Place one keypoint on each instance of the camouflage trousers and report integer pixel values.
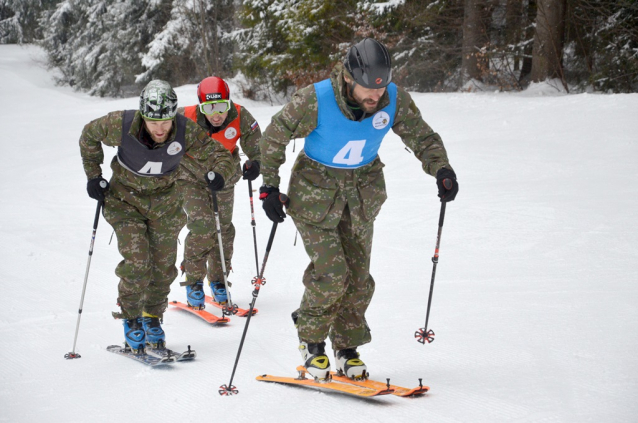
(201, 244)
(338, 284)
(147, 226)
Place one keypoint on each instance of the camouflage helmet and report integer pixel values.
(158, 101)
(369, 63)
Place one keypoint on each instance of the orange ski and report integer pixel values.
(332, 386)
(241, 312)
(373, 384)
(209, 317)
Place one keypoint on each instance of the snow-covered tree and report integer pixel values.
(19, 20)
(195, 42)
(290, 44)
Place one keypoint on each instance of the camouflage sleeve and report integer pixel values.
(296, 119)
(418, 136)
(204, 154)
(105, 130)
(250, 135)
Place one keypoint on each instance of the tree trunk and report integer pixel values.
(514, 28)
(530, 16)
(202, 25)
(475, 37)
(548, 40)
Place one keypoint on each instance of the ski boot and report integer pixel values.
(155, 336)
(134, 335)
(315, 360)
(349, 364)
(195, 295)
(219, 292)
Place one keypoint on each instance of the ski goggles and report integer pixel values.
(213, 107)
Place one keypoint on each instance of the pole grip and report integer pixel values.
(100, 204)
(215, 205)
(271, 237)
(442, 214)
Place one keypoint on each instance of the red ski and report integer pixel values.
(241, 312)
(203, 314)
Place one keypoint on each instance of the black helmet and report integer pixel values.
(368, 62)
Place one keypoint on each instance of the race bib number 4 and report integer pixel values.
(351, 153)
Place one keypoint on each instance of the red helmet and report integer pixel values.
(212, 88)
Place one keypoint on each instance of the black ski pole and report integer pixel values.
(73, 354)
(423, 334)
(229, 307)
(252, 217)
(258, 281)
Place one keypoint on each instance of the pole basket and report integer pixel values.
(226, 390)
(72, 355)
(257, 281)
(230, 309)
(421, 336)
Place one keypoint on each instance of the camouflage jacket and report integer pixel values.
(319, 193)
(249, 140)
(202, 155)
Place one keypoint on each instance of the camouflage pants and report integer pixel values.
(201, 244)
(338, 284)
(147, 226)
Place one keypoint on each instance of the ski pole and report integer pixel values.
(423, 334)
(252, 217)
(258, 281)
(100, 204)
(229, 307)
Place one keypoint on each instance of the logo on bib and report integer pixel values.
(380, 120)
(230, 133)
(174, 148)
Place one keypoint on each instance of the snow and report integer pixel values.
(535, 300)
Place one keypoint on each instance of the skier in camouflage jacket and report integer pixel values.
(141, 200)
(336, 190)
(231, 124)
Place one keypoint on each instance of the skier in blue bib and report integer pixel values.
(336, 190)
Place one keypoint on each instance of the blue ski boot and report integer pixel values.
(155, 335)
(195, 295)
(134, 334)
(219, 292)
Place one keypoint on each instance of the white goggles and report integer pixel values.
(213, 107)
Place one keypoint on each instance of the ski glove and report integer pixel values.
(96, 188)
(251, 170)
(274, 203)
(215, 181)
(448, 187)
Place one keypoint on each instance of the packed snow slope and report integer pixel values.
(535, 300)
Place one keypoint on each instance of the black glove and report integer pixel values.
(274, 203)
(215, 181)
(96, 188)
(251, 170)
(448, 187)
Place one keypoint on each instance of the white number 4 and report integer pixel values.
(350, 154)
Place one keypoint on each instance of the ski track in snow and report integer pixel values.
(535, 301)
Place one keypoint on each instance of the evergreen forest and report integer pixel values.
(273, 47)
